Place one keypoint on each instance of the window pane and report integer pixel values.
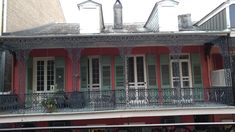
(140, 69)
(40, 75)
(130, 69)
(185, 71)
(50, 74)
(95, 71)
(175, 69)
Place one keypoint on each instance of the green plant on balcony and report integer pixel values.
(49, 105)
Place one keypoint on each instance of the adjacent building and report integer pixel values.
(133, 77)
(16, 15)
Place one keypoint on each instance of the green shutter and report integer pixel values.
(165, 71)
(84, 73)
(165, 77)
(106, 72)
(197, 76)
(60, 70)
(29, 75)
(119, 73)
(151, 64)
(120, 93)
(152, 83)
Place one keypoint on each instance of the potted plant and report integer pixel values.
(49, 105)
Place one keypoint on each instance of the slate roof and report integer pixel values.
(73, 29)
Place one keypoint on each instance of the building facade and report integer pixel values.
(130, 78)
(25, 14)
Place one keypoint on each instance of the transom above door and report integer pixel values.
(43, 74)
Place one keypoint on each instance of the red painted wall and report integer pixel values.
(112, 52)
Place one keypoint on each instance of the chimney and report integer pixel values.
(117, 9)
(91, 17)
(185, 22)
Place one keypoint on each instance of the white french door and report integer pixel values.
(181, 76)
(43, 75)
(94, 74)
(136, 77)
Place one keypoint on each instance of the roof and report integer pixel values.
(88, 1)
(49, 29)
(168, 0)
(73, 29)
(215, 11)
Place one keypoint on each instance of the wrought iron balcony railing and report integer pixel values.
(115, 100)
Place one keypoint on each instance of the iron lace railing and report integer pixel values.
(115, 100)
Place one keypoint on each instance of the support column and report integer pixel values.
(22, 58)
(224, 48)
(2, 70)
(75, 55)
(175, 52)
(228, 91)
(125, 52)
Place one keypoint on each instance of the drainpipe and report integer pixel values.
(2, 17)
(2, 70)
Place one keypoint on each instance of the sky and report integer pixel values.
(139, 10)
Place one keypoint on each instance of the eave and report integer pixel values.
(111, 40)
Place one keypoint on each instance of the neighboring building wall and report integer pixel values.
(25, 14)
(232, 15)
(1, 14)
(217, 22)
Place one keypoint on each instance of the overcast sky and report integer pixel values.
(139, 10)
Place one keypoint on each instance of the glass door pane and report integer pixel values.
(131, 78)
(40, 76)
(140, 69)
(50, 75)
(176, 74)
(130, 66)
(44, 75)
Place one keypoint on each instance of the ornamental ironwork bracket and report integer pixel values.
(74, 55)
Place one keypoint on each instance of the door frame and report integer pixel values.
(35, 59)
(180, 67)
(181, 77)
(90, 73)
(135, 75)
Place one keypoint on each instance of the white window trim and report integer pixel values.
(90, 74)
(181, 60)
(35, 59)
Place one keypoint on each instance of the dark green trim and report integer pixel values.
(83, 73)
(30, 75)
(165, 71)
(60, 73)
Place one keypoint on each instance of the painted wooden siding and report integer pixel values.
(216, 23)
(232, 15)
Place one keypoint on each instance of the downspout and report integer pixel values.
(2, 17)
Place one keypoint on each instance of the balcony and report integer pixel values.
(115, 100)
